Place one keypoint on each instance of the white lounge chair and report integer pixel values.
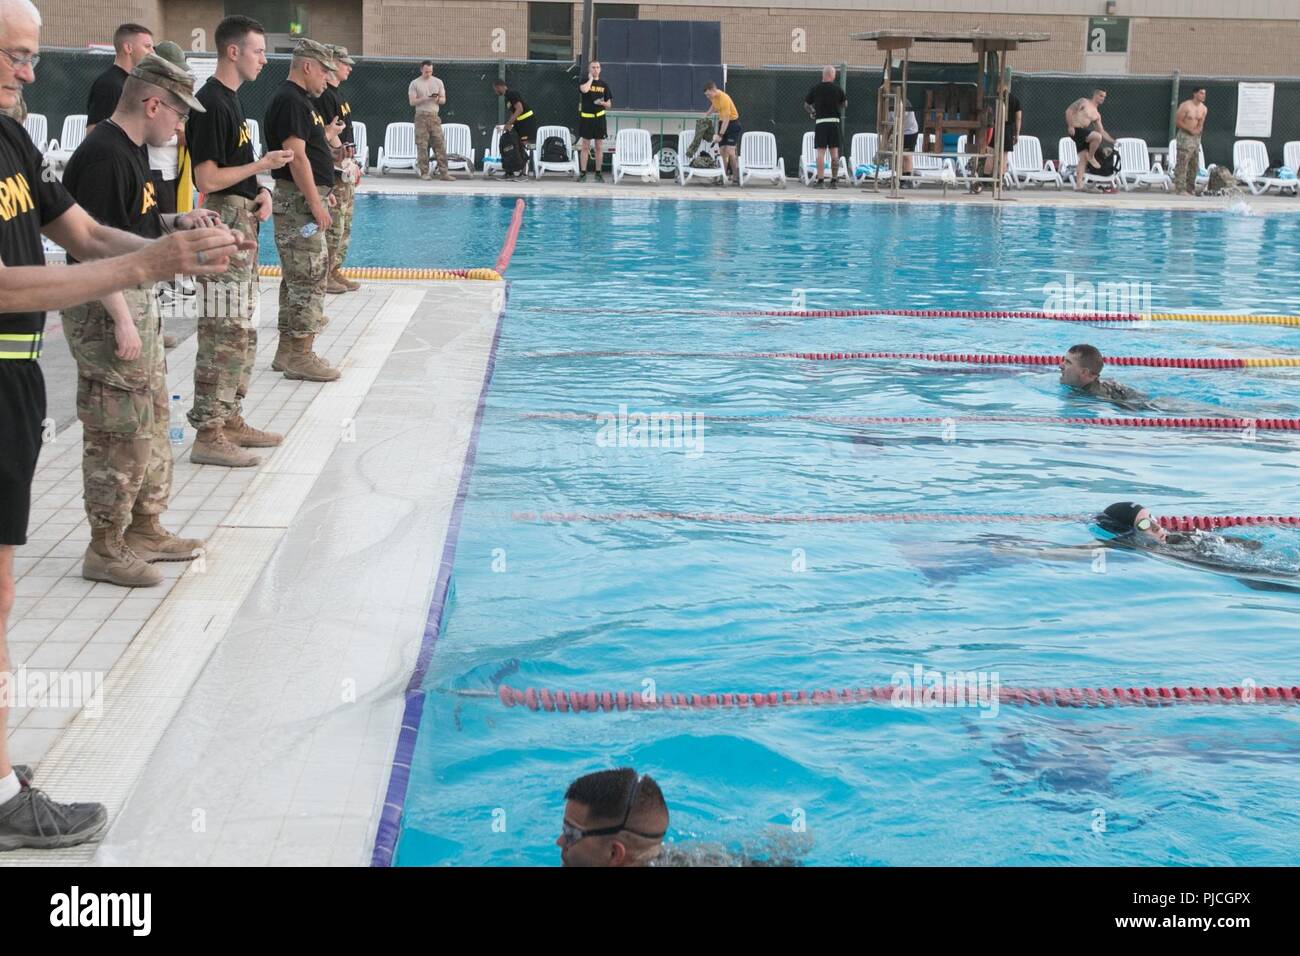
(492, 158)
(862, 153)
(1135, 165)
(685, 171)
(255, 136)
(759, 159)
(1068, 159)
(1291, 156)
(38, 128)
(59, 151)
(362, 143)
(808, 161)
(1027, 164)
(458, 141)
(634, 155)
(398, 151)
(1202, 172)
(569, 166)
(1249, 165)
(927, 167)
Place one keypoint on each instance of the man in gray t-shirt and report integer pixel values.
(426, 94)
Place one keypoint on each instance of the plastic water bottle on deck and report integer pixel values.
(176, 430)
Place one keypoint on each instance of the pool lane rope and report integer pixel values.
(609, 701)
(1168, 522)
(1217, 424)
(512, 236)
(386, 273)
(1149, 361)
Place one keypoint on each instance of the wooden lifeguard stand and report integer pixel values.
(991, 49)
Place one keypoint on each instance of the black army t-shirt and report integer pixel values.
(104, 94)
(291, 114)
(109, 177)
(826, 99)
(600, 90)
(333, 102)
(28, 201)
(221, 135)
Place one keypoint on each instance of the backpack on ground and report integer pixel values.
(554, 151)
(512, 156)
(1109, 160)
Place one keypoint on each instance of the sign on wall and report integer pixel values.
(1255, 110)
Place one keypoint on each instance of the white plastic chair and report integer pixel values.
(569, 166)
(932, 168)
(1202, 172)
(634, 155)
(38, 129)
(685, 171)
(255, 136)
(759, 159)
(1135, 165)
(862, 152)
(458, 141)
(1068, 158)
(362, 144)
(492, 158)
(398, 151)
(59, 151)
(808, 161)
(1291, 156)
(1250, 163)
(1027, 164)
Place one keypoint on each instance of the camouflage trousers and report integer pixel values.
(126, 457)
(304, 262)
(227, 329)
(340, 232)
(1189, 162)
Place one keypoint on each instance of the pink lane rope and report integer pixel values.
(1169, 522)
(543, 699)
(1223, 424)
(512, 236)
(1150, 361)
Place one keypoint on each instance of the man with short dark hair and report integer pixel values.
(1081, 370)
(519, 118)
(225, 171)
(333, 107)
(427, 95)
(302, 204)
(824, 103)
(1190, 120)
(1083, 123)
(613, 818)
(594, 98)
(131, 44)
(727, 136)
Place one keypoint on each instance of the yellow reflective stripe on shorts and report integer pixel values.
(523, 116)
(829, 119)
(591, 115)
(32, 339)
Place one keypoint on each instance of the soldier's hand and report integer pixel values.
(128, 341)
(332, 200)
(323, 217)
(204, 251)
(198, 218)
(262, 205)
(276, 158)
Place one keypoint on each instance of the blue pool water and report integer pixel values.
(699, 608)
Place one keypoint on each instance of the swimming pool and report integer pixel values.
(681, 606)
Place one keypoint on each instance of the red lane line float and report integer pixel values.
(1169, 522)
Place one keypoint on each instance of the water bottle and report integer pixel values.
(309, 230)
(177, 430)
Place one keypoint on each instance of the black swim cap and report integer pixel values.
(1120, 517)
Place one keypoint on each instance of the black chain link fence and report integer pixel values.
(769, 99)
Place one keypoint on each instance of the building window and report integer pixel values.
(550, 31)
(277, 16)
(610, 11)
(1107, 35)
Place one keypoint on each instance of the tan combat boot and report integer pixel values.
(152, 542)
(239, 432)
(283, 353)
(213, 447)
(334, 284)
(352, 285)
(109, 559)
(304, 365)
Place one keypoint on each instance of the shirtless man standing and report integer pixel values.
(1083, 122)
(1191, 123)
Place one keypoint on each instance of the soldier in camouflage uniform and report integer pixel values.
(1081, 370)
(302, 208)
(334, 103)
(225, 170)
(122, 397)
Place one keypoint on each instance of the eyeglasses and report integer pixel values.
(18, 60)
(571, 834)
(161, 102)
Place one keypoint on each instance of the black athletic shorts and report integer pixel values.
(526, 129)
(731, 135)
(22, 414)
(827, 136)
(1080, 138)
(909, 141)
(592, 128)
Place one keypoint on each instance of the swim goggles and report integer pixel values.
(571, 834)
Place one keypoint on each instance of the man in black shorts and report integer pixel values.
(520, 118)
(1083, 121)
(824, 103)
(38, 204)
(131, 44)
(597, 97)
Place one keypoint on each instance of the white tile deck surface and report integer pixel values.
(222, 701)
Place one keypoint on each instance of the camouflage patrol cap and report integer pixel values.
(315, 51)
(340, 54)
(172, 53)
(156, 71)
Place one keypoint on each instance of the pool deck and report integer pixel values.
(252, 702)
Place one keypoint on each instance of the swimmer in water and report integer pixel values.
(1081, 370)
